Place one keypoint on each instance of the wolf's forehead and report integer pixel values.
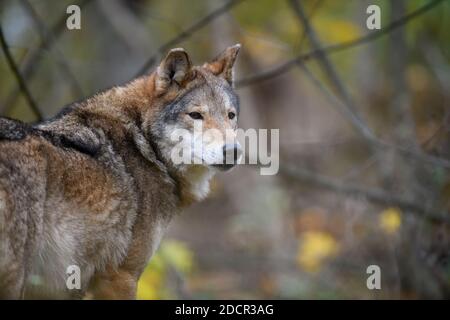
(229, 98)
(224, 96)
(213, 96)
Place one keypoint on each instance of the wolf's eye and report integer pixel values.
(195, 115)
(231, 115)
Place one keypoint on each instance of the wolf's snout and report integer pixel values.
(232, 153)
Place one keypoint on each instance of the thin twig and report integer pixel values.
(441, 71)
(416, 154)
(373, 194)
(31, 64)
(186, 34)
(20, 80)
(45, 33)
(283, 68)
(424, 157)
(316, 5)
(349, 107)
(345, 104)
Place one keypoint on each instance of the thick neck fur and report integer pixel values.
(193, 183)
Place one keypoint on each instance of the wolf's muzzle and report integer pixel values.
(231, 155)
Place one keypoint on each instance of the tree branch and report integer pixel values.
(32, 61)
(424, 157)
(186, 34)
(346, 105)
(283, 68)
(373, 194)
(45, 33)
(20, 80)
(348, 108)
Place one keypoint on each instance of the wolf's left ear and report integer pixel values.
(174, 68)
(222, 66)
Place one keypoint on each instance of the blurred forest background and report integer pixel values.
(364, 121)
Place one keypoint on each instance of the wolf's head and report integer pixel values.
(194, 128)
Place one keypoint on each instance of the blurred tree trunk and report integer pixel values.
(401, 175)
(395, 176)
(404, 129)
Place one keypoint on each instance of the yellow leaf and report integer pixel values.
(151, 283)
(315, 248)
(390, 220)
(333, 30)
(147, 291)
(172, 253)
(178, 255)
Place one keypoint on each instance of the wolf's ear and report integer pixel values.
(222, 66)
(174, 68)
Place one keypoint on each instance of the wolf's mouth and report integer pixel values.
(224, 167)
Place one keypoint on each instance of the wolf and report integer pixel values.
(96, 186)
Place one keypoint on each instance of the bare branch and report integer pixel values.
(32, 61)
(316, 5)
(373, 194)
(124, 23)
(348, 108)
(20, 80)
(186, 34)
(416, 154)
(285, 67)
(424, 157)
(45, 33)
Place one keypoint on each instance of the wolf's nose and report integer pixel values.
(231, 153)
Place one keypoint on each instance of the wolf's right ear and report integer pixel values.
(174, 69)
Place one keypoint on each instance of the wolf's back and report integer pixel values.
(13, 130)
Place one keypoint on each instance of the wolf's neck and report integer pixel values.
(193, 181)
(194, 184)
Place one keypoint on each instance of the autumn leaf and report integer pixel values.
(171, 254)
(314, 249)
(178, 255)
(334, 30)
(151, 283)
(390, 220)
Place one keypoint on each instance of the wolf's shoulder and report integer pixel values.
(79, 139)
